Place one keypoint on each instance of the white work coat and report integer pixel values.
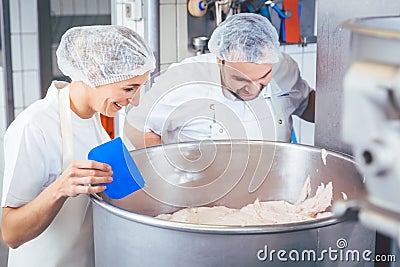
(187, 103)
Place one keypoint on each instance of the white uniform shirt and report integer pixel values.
(33, 160)
(186, 103)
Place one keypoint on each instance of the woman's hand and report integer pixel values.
(24, 223)
(83, 177)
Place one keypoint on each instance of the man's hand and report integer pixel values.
(141, 139)
(309, 113)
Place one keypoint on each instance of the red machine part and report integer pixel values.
(108, 124)
(292, 24)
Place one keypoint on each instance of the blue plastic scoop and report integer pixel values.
(126, 175)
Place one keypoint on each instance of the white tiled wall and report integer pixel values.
(18, 89)
(25, 52)
(25, 69)
(182, 29)
(28, 16)
(80, 7)
(30, 77)
(15, 24)
(76, 8)
(168, 33)
(25, 61)
(173, 32)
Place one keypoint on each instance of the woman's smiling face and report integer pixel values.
(110, 98)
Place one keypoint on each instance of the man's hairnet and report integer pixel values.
(245, 37)
(99, 55)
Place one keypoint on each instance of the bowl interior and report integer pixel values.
(234, 174)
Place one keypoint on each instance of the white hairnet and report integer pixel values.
(245, 37)
(99, 55)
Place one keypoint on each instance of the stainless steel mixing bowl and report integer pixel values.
(234, 174)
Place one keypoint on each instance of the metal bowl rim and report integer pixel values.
(249, 142)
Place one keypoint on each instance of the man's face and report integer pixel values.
(244, 79)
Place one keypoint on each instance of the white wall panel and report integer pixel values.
(67, 7)
(16, 51)
(31, 87)
(55, 7)
(79, 7)
(18, 90)
(30, 51)
(28, 11)
(15, 24)
(181, 34)
(104, 7)
(92, 7)
(168, 34)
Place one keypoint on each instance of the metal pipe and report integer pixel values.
(7, 60)
(152, 29)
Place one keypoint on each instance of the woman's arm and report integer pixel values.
(24, 223)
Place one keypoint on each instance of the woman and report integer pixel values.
(46, 215)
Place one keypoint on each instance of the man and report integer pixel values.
(244, 89)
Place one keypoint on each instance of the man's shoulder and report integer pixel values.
(285, 60)
(199, 70)
(207, 58)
